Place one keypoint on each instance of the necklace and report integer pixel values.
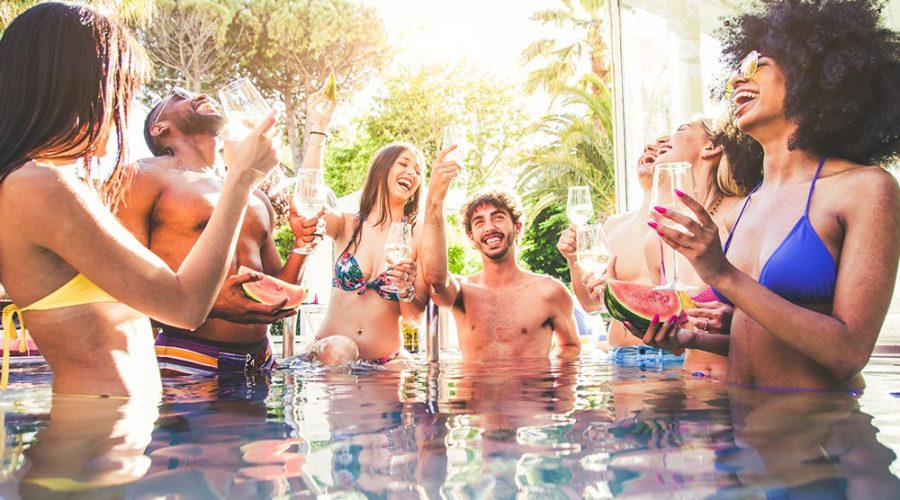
(715, 206)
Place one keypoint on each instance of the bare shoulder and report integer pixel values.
(615, 221)
(38, 184)
(874, 187)
(550, 287)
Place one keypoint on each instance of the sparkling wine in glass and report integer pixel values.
(667, 177)
(310, 195)
(579, 208)
(397, 247)
(592, 251)
(244, 108)
(458, 190)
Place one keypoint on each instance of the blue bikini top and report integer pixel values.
(801, 269)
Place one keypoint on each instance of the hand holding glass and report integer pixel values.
(456, 194)
(579, 208)
(396, 248)
(310, 195)
(667, 177)
(592, 251)
(244, 108)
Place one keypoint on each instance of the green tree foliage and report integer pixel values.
(580, 149)
(579, 155)
(416, 105)
(559, 60)
(289, 47)
(189, 44)
(539, 243)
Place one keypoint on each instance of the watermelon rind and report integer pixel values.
(620, 310)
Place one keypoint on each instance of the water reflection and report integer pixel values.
(88, 444)
(519, 430)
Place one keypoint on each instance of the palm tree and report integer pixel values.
(580, 154)
(560, 58)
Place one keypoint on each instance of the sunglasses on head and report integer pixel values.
(746, 69)
(184, 94)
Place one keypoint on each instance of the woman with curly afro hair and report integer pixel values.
(811, 261)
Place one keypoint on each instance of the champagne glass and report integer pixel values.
(458, 190)
(579, 208)
(592, 251)
(244, 108)
(310, 195)
(667, 177)
(397, 247)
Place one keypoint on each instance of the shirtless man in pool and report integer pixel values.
(502, 312)
(167, 207)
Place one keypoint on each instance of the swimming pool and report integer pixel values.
(515, 430)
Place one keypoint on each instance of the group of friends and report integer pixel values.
(790, 183)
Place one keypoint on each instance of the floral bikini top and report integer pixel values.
(348, 276)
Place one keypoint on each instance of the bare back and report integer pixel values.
(100, 348)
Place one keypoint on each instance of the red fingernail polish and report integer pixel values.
(679, 194)
(671, 319)
(659, 233)
(627, 324)
(659, 209)
(652, 224)
(655, 319)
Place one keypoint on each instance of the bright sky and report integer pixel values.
(488, 32)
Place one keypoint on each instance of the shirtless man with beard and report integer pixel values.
(502, 312)
(167, 207)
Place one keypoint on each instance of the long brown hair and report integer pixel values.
(375, 188)
(68, 77)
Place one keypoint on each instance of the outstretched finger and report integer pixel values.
(674, 238)
(443, 154)
(265, 124)
(702, 215)
(689, 224)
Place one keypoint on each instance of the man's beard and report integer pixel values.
(199, 124)
(508, 239)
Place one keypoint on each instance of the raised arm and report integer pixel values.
(319, 109)
(92, 241)
(435, 271)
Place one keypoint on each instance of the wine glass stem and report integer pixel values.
(674, 266)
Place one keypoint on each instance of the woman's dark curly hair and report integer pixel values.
(842, 72)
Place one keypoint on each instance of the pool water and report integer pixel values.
(514, 430)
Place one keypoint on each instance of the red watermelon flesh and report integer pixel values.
(638, 303)
(271, 291)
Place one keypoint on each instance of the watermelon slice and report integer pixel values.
(271, 290)
(637, 303)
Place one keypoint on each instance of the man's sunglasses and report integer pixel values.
(184, 94)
